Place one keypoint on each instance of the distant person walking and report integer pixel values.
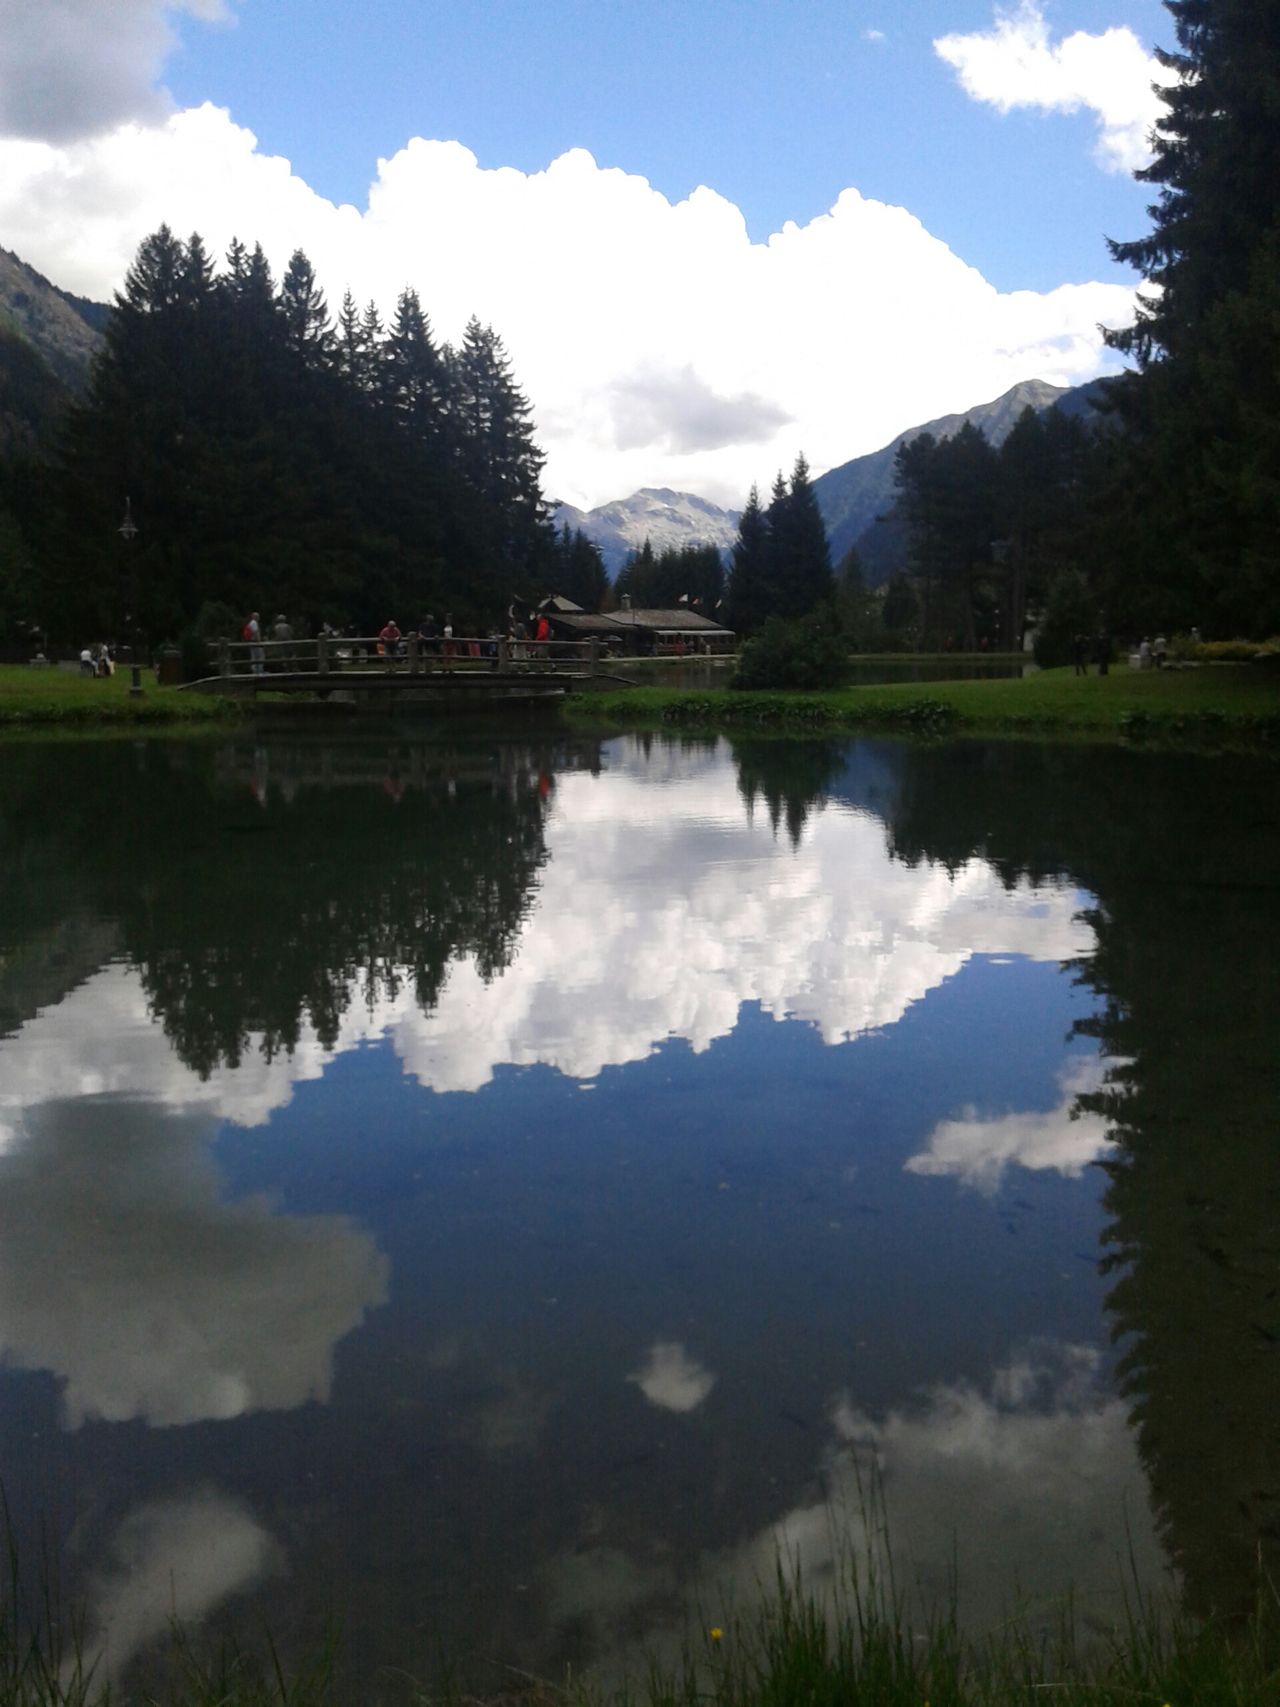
(1160, 647)
(1103, 644)
(252, 632)
(1080, 654)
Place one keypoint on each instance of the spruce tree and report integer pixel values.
(749, 593)
(1197, 514)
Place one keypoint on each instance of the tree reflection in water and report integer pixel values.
(348, 870)
(1181, 853)
(352, 869)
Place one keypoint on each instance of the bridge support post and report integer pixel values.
(224, 658)
(322, 654)
(593, 656)
(504, 653)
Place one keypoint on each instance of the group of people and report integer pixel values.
(1087, 649)
(96, 661)
(434, 640)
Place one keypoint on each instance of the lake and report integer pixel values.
(497, 1192)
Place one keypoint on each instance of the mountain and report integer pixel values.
(655, 513)
(47, 342)
(854, 495)
(64, 331)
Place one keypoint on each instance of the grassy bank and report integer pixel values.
(61, 699)
(1233, 703)
(788, 1652)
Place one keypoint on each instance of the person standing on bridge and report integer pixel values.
(253, 634)
(389, 640)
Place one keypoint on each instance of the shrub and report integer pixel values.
(1236, 651)
(800, 654)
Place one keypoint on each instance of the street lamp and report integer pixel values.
(128, 530)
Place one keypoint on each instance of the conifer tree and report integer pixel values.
(1195, 534)
(749, 595)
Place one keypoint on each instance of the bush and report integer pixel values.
(800, 654)
(1236, 651)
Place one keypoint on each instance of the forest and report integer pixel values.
(273, 455)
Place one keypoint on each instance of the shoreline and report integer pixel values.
(1211, 705)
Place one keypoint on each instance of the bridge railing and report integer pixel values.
(328, 655)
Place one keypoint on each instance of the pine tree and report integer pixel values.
(1217, 162)
(803, 557)
(749, 596)
(1197, 516)
(304, 312)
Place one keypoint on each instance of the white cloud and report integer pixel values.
(977, 1151)
(73, 68)
(171, 1561)
(1014, 64)
(671, 1379)
(127, 1273)
(874, 35)
(1030, 1483)
(659, 345)
(615, 956)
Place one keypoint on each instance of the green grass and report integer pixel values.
(62, 699)
(851, 1648)
(1233, 703)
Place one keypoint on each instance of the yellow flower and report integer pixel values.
(717, 1634)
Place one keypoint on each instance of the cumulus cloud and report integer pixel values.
(617, 955)
(708, 365)
(1015, 64)
(74, 68)
(170, 1561)
(671, 1379)
(971, 1477)
(680, 412)
(127, 1273)
(977, 1151)
(873, 35)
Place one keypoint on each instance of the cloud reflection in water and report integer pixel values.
(126, 1272)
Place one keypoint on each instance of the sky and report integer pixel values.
(713, 234)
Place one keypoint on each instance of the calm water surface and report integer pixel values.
(498, 1192)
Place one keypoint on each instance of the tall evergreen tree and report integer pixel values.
(801, 553)
(750, 584)
(1198, 514)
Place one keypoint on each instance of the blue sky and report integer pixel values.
(777, 104)
(712, 233)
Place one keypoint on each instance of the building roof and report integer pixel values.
(679, 617)
(681, 620)
(583, 622)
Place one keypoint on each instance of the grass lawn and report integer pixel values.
(52, 698)
(1238, 702)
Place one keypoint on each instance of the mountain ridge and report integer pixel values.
(854, 495)
(664, 517)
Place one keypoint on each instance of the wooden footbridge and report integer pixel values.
(364, 670)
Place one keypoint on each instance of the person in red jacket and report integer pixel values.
(389, 642)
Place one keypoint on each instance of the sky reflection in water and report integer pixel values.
(583, 1288)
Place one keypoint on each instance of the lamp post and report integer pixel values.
(128, 530)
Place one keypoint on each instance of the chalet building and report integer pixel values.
(641, 633)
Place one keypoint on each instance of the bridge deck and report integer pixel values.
(476, 682)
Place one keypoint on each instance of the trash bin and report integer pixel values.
(169, 669)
